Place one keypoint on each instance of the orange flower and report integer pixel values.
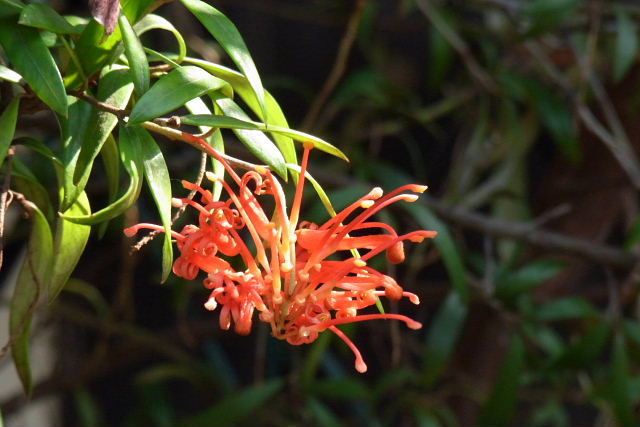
(287, 275)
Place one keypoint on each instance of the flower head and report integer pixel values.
(289, 273)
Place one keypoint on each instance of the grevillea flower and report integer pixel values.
(288, 273)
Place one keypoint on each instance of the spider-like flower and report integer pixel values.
(287, 275)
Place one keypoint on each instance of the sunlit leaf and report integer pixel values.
(241, 85)
(256, 141)
(41, 16)
(235, 123)
(227, 35)
(9, 75)
(138, 64)
(130, 143)
(174, 90)
(152, 21)
(30, 57)
(135, 9)
(157, 177)
(93, 50)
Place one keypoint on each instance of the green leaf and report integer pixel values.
(152, 22)
(70, 241)
(135, 9)
(29, 185)
(626, 48)
(157, 177)
(130, 143)
(240, 84)
(235, 123)
(565, 308)
(31, 58)
(72, 132)
(94, 50)
(586, 348)
(620, 385)
(256, 141)
(235, 407)
(501, 404)
(174, 90)
(134, 52)
(31, 282)
(445, 244)
(111, 160)
(545, 15)
(227, 35)
(41, 16)
(513, 283)
(322, 414)
(9, 75)
(10, 8)
(8, 120)
(115, 89)
(443, 336)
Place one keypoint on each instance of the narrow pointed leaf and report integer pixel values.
(236, 406)
(9, 75)
(240, 84)
(8, 120)
(115, 88)
(442, 336)
(157, 177)
(135, 9)
(94, 50)
(10, 8)
(152, 22)
(30, 57)
(229, 38)
(134, 52)
(626, 48)
(256, 141)
(501, 404)
(30, 283)
(70, 241)
(235, 123)
(41, 16)
(173, 91)
(130, 154)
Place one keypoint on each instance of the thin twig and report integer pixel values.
(533, 235)
(118, 112)
(458, 44)
(339, 66)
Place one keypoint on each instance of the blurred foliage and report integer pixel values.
(519, 114)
